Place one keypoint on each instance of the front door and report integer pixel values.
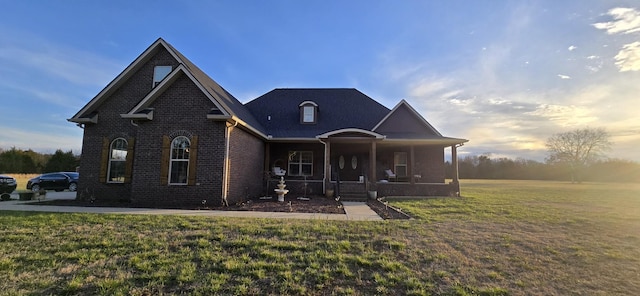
(350, 167)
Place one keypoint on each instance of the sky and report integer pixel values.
(506, 75)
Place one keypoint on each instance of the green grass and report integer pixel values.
(501, 238)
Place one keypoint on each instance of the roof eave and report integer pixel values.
(143, 116)
(439, 141)
(84, 120)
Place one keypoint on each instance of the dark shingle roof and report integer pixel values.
(278, 111)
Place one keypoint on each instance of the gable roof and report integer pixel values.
(278, 111)
(141, 107)
(276, 114)
(405, 111)
(227, 104)
(405, 123)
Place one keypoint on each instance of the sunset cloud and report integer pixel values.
(625, 21)
(628, 58)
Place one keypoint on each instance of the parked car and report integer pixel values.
(54, 181)
(7, 184)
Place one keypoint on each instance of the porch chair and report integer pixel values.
(390, 174)
(278, 171)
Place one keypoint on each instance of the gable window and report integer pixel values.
(308, 112)
(117, 160)
(179, 163)
(400, 164)
(300, 163)
(159, 73)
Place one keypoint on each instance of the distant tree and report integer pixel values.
(577, 149)
(16, 161)
(39, 159)
(613, 170)
(61, 162)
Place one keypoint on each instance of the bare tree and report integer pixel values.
(578, 148)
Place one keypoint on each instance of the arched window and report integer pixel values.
(117, 160)
(179, 163)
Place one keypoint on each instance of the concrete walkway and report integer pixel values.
(355, 211)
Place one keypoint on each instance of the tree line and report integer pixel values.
(484, 167)
(30, 162)
(576, 156)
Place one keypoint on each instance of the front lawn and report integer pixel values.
(501, 238)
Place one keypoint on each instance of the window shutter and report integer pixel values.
(164, 160)
(104, 161)
(128, 170)
(193, 154)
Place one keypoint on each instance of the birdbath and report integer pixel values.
(280, 191)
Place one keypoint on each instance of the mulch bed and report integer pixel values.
(315, 204)
(385, 211)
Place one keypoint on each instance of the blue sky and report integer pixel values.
(504, 74)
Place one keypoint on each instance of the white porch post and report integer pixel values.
(372, 167)
(327, 165)
(412, 163)
(454, 162)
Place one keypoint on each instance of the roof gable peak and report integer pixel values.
(145, 56)
(405, 104)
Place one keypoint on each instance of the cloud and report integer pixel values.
(70, 139)
(428, 87)
(507, 108)
(625, 21)
(21, 51)
(565, 115)
(628, 58)
(74, 66)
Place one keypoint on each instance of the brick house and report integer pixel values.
(163, 132)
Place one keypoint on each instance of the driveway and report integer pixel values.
(53, 195)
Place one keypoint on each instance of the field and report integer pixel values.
(22, 179)
(500, 238)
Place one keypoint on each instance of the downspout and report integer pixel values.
(225, 178)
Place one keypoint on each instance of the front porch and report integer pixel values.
(353, 163)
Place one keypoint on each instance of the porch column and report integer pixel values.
(412, 162)
(372, 164)
(454, 163)
(267, 157)
(327, 165)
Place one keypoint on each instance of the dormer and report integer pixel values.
(308, 112)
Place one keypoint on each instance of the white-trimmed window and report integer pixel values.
(400, 164)
(308, 112)
(159, 73)
(300, 163)
(179, 163)
(117, 160)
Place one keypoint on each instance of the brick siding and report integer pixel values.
(246, 162)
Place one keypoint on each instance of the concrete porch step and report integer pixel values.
(353, 196)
